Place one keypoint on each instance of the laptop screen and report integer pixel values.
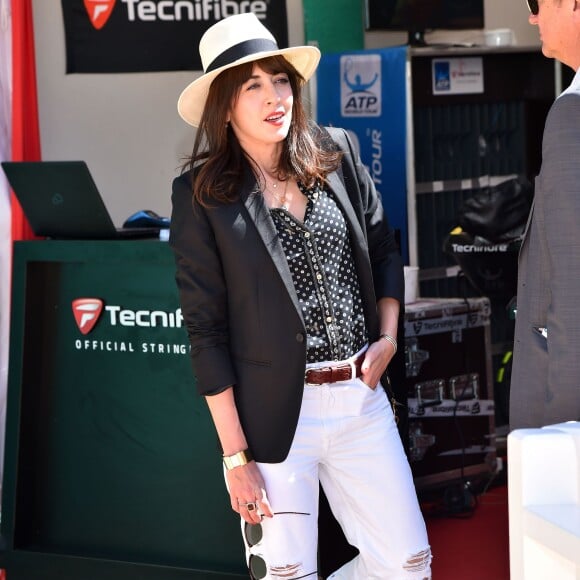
(60, 200)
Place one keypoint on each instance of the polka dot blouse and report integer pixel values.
(320, 258)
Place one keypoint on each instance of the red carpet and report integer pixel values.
(474, 547)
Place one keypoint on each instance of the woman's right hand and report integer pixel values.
(248, 493)
(245, 482)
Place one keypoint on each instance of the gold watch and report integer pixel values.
(237, 459)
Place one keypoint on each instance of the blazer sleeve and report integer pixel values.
(202, 290)
(384, 253)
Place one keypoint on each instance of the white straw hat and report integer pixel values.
(232, 41)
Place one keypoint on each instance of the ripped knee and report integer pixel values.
(258, 570)
(420, 562)
(287, 571)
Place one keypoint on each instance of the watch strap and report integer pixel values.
(237, 459)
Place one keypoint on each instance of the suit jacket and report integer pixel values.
(545, 383)
(239, 303)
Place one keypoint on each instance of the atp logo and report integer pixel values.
(99, 11)
(87, 312)
(360, 87)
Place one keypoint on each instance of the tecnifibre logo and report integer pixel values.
(87, 312)
(99, 11)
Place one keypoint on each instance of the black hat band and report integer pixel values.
(238, 51)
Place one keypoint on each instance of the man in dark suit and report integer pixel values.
(545, 385)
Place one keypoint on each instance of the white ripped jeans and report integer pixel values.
(348, 440)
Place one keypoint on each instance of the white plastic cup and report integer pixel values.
(411, 284)
(499, 37)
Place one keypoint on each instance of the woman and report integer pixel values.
(290, 284)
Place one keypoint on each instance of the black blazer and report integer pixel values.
(239, 303)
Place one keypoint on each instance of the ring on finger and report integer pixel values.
(250, 506)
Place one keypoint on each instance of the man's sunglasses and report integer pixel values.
(533, 6)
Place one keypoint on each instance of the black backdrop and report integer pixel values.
(151, 35)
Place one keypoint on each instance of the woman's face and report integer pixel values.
(262, 113)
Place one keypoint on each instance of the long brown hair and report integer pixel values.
(218, 161)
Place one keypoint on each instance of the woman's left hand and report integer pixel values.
(377, 358)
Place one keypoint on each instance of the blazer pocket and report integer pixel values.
(253, 362)
(541, 331)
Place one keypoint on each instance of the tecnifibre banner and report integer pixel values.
(111, 36)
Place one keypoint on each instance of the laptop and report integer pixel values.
(61, 201)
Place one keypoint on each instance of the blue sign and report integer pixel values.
(365, 93)
(442, 72)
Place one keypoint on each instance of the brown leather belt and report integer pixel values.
(334, 373)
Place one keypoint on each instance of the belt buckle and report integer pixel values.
(318, 369)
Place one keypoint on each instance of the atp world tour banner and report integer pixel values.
(104, 36)
(365, 93)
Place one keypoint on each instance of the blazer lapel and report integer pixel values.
(524, 236)
(359, 248)
(260, 215)
(343, 200)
